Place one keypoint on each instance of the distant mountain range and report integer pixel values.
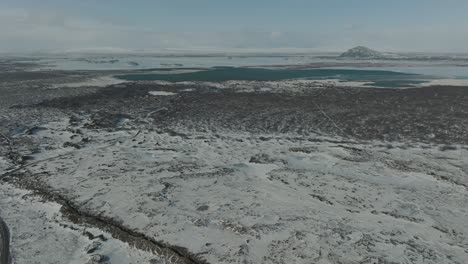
(365, 53)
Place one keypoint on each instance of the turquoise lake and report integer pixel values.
(376, 77)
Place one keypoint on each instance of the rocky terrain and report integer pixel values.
(361, 52)
(233, 172)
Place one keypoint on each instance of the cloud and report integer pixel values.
(275, 34)
(38, 30)
(24, 29)
(31, 30)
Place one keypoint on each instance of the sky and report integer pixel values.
(224, 25)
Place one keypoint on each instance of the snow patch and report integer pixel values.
(445, 82)
(161, 93)
(96, 82)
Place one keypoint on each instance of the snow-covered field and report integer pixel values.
(247, 198)
(289, 171)
(446, 82)
(40, 234)
(286, 86)
(101, 81)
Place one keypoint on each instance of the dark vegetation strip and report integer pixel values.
(4, 243)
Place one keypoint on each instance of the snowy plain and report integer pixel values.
(225, 196)
(234, 197)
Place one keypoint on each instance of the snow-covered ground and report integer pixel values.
(101, 81)
(161, 93)
(288, 86)
(134, 62)
(445, 82)
(40, 234)
(248, 198)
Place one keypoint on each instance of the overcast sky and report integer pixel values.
(332, 25)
